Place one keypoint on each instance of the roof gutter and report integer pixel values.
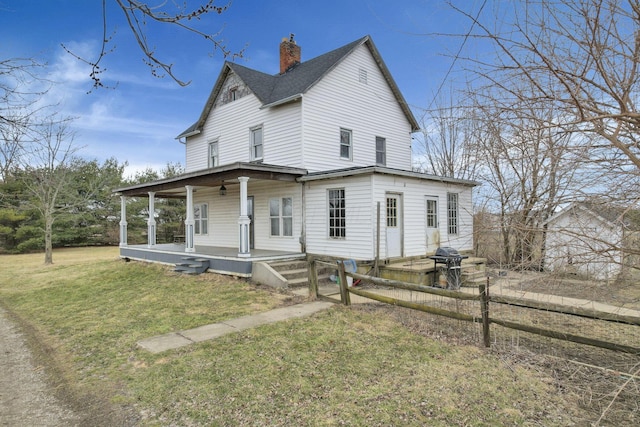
(188, 134)
(283, 101)
(341, 173)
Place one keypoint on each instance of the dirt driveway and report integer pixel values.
(25, 397)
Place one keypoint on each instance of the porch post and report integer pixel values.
(189, 223)
(123, 221)
(151, 222)
(243, 220)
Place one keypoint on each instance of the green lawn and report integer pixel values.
(344, 366)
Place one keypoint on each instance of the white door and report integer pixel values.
(432, 237)
(394, 225)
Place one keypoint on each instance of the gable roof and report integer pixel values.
(278, 89)
(606, 212)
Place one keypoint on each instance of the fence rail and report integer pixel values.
(484, 300)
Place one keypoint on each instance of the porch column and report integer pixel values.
(151, 222)
(123, 221)
(189, 223)
(243, 220)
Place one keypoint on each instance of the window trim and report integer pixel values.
(453, 214)
(341, 228)
(350, 145)
(200, 221)
(253, 145)
(234, 93)
(281, 217)
(383, 152)
(210, 160)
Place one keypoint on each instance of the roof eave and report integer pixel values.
(392, 84)
(342, 173)
(188, 134)
(282, 101)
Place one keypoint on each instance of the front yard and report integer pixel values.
(347, 366)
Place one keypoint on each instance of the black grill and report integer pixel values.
(447, 252)
(452, 259)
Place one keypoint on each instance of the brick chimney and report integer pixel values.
(289, 54)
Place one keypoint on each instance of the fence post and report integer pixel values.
(344, 291)
(484, 306)
(313, 277)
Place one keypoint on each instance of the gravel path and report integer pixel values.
(25, 397)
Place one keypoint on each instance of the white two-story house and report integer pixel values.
(313, 160)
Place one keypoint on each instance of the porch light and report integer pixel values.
(223, 190)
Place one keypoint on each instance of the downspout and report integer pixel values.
(303, 231)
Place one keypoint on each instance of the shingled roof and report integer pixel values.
(278, 89)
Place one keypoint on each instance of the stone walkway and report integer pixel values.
(331, 292)
(208, 332)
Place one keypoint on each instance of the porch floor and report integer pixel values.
(219, 251)
(223, 260)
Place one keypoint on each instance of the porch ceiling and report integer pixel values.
(212, 177)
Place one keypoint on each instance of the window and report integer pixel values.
(201, 218)
(213, 154)
(337, 214)
(381, 151)
(432, 213)
(452, 213)
(256, 143)
(392, 211)
(281, 216)
(345, 144)
(233, 93)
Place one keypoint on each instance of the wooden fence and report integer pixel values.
(484, 302)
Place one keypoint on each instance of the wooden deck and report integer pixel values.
(423, 270)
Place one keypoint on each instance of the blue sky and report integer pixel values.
(138, 119)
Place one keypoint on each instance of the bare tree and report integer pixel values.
(140, 15)
(529, 168)
(445, 148)
(581, 59)
(20, 89)
(47, 165)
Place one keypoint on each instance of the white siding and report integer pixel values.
(359, 218)
(340, 100)
(230, 124)
(414, 193)
(570, 248)
(362, 194)
(224, 212)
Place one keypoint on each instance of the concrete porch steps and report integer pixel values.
(192, 265)
(296, 273)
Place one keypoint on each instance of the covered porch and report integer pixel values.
(221, 260)
(217, 200)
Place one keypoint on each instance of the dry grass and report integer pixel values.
(364, 365)
(622, 293)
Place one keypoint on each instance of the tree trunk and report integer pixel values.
(48, 246)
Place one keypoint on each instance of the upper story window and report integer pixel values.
(337, 214)
(381, 151)
(233, 94)
(452, 213)
(214, 159)
(281, 216)
(345, 144)
(256, 143)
